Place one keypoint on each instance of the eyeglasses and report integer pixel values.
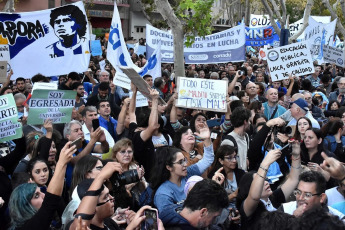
(100, 204)
(123, 152)
(232, 158)
(181, 162)
(307, 195)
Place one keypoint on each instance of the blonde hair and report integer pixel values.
(123, 143)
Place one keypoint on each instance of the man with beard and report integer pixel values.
(310, 193)
(105, 120)
(79, 100)
(20, 83)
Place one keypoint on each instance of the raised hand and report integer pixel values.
(218, 176)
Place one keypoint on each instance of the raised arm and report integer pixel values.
(133, 104)
(46, 144)
(153, 120)
(208, 156)
(253, 199)
(292, 82)
(233, 83)
(292, 181)
(122, 117)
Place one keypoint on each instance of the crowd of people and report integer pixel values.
(275, 160)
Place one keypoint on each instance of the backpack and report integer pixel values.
(232, 139)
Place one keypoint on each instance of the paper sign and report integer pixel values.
(45, 85)
(10, 128)
(3, 71)
(96, 49)
(102, 65)
(205, 94)
(141, 100)
(122, 80)
(55, 105)
(140, 83)
(292, 59)
(333, 55)
(4, 53)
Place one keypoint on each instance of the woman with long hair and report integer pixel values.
(171, 172)
(303, 123)
(226, 158)
(334, 140)
(30, 208)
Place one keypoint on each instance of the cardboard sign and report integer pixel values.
(45, 85)
(205, 94)
(292, 59)
(333, 55)
(4, 53)
(10, 128)
(96, 48)
(140, 83)
(122, 80)
(55, 105)
(141, 100)
(3, 71)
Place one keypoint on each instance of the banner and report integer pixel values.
(4, 53)
(10, 128)
(205, 94)
(259, 20)
(291, 59)
(262, 36)
(51, 42)
(55, 105)
(297, 26)
(319, 34)
(141, 100)
(333, 55)
(225, 46)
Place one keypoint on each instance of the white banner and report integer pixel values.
(333, 55)
(51, 42)
(297, 26)
(205, 94)
(141, 100)
(291, 59)
(222, 47)
(259, 20)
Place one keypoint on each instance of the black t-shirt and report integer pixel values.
(277, 198)
(108, 224)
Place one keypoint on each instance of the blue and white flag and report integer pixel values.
(50, 42)
(153, 65)
(117, 52)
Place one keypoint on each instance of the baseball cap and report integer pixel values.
(302, 104)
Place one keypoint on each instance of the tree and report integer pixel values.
(186, 18)
(334, 15)
(279, 13)
(9, 6)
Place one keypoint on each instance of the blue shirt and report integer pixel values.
(106, 124)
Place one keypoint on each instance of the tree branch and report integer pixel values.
(143, 9)
(167, 12)
(283, 6)
(226, 7)
(334, 16)
(342, 5)
(307, 12)
(270, 13)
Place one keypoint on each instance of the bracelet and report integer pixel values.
(260, 176)
(299, 157)
(299, 167)
(85, 216)
(94, 193)
(266, 170)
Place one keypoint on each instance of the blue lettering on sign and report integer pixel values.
(117, 44)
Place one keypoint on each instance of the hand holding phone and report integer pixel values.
(151, 220)
(95, 124)
(76, 142)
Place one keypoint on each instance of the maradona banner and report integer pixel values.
(56, 105)
(50, 42)
(225, 46)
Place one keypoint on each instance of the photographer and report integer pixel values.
(264, 140)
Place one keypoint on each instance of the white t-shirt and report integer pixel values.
(159, 141)
(334, 196)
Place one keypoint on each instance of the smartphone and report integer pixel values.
(151, 220)
(213, 122)
(95, 124)
(76, 142)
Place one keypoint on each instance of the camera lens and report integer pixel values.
(127, 177)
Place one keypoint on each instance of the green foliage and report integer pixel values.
(197, 18)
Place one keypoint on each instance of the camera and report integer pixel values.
(127, 177)
(283, 129)
(240, 72)
(237, 88)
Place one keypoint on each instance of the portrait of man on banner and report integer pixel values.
(70, 26)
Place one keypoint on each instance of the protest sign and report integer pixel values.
(140, 83)
(292, 59)
(40, 42)
(10, 128)
(3, 71)
(102, 65)
(122, 80)
(297, 26)
(261, 36)
(141, 100)
(44, 85)
(205, 94)
(55, 105)
(96, 49)
(333, 55)
(4, 53)
(225, 46)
